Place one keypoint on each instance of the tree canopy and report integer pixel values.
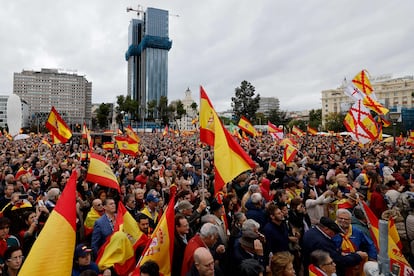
(245, 103)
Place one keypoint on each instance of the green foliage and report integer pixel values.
(277, 117)
(298, 123)
(151, 107)
(102, 115)
(335, 122)
(244, 103)
(315, 118)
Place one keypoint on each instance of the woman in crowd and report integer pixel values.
(281, 264)
(13, 261)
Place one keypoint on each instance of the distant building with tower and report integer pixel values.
(186, 121)
(68, 92)
(147, 57)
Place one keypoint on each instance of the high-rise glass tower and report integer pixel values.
(147, 56)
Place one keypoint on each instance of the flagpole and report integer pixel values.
(202, 174)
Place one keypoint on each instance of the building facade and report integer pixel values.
(393, 93)
(147, 57)
(186, 121)
(268, 104)
(69, 93)
(3, 112)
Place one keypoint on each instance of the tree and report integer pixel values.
(102, 115)
(163, 110)
(335, 122)
(151, 107)
(315, 118)
(298, 123)
(244, 103)
(278, 117)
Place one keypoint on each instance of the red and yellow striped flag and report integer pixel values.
(289, 153)
(230, 159)
(59, 235)
(410, 139)
(245, 125)
(127, 145)
(297, 131)
(108, 145)
(206, 119)
(100, 172)
(160, 247)
(58, 126)
(132, 134)
(312, 131)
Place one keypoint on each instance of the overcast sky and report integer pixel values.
(291, 49)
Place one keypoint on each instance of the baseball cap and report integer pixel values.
(152, 198)
(82, 250)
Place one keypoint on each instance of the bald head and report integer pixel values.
(204, 261)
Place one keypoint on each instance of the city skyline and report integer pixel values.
(289, 50)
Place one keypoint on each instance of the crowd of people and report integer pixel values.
(277, 219)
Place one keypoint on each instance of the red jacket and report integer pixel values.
(194, 243)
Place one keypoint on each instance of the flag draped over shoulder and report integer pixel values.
(245, 125)
(206, 119)
(361, 124)
(100, 172)
(58, 126)
(119, 249)
(289, 153)
(160, 247)
(126, 145)
(59, 235)
(230, 159)
(397, 259)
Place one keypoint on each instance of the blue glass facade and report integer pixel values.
(147, 56)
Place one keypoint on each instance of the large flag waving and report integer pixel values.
(397, 259)
(100, 172)
(359, 121)
(230, 159)
(126, 145)
(206, 119)
(245, 125)
(59, 234)
(132, 134)
(58, 126)
(289, 153)
(160, 248)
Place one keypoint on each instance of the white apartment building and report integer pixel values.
(69, 93)
(391, 92)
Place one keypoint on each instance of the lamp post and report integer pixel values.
(394, 117)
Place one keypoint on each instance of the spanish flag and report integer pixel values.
(86, 134)
(289, 153)
(108, 145)
(100, 172)
(410, 140)
(312, 131)
(59, 235)
(230, 159)
(397, 259)
(160, 247)
(245, 125)
(297, 131)
(131, 134)
(58, 126)
(206, 119)
(46, 142)
(315, 271)
(127, 145)
(119, 249)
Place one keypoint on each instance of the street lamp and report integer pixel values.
(394, 117)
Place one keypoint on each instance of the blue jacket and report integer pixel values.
(256, 213)
(315, 239)
(360, 241)
(101, 230)
(277, 238)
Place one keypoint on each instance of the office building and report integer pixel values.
(267, 104)
(69, 93)
(147, 57)
(393, 93)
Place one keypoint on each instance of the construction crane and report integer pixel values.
(140, 11)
